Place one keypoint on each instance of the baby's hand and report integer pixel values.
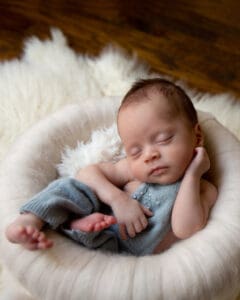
(200, 163)
(131, 216)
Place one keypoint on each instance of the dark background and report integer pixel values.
(197, 41)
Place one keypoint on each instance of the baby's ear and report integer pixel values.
(199, 135)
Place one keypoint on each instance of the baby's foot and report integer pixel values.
(28, 235)
(94, 222)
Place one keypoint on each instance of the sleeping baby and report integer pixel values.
(144, 202)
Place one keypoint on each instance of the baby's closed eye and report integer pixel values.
(163, 138)
(134, 151)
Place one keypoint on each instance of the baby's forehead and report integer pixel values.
(159, 103)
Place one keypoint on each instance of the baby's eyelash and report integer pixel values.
(164, 140)
(134, 152)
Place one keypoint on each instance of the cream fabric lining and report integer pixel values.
(202, 267)
(50, 75)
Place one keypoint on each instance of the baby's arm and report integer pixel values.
(106, 179)
(195, 198)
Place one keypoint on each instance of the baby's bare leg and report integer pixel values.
(94, 222)
(26, 230)
(166, 243)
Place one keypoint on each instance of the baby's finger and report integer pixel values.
(131, 230)
(138, 226)
(147, 211)
(144, 222)
(122, 231)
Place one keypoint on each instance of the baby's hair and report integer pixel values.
(174, 93)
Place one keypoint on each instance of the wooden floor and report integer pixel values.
(194, 40)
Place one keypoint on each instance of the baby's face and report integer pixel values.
(159, 146)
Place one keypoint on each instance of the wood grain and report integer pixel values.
(196, 41)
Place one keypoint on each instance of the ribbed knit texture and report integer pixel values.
(64, 197)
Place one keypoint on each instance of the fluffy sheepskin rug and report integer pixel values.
(50, 75)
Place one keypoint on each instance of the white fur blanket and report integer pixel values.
(50, 75)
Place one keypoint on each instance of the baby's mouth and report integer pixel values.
(158, 170)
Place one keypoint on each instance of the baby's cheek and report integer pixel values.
(138, 171)
(184, 161)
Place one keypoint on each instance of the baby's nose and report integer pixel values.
(151, 155)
